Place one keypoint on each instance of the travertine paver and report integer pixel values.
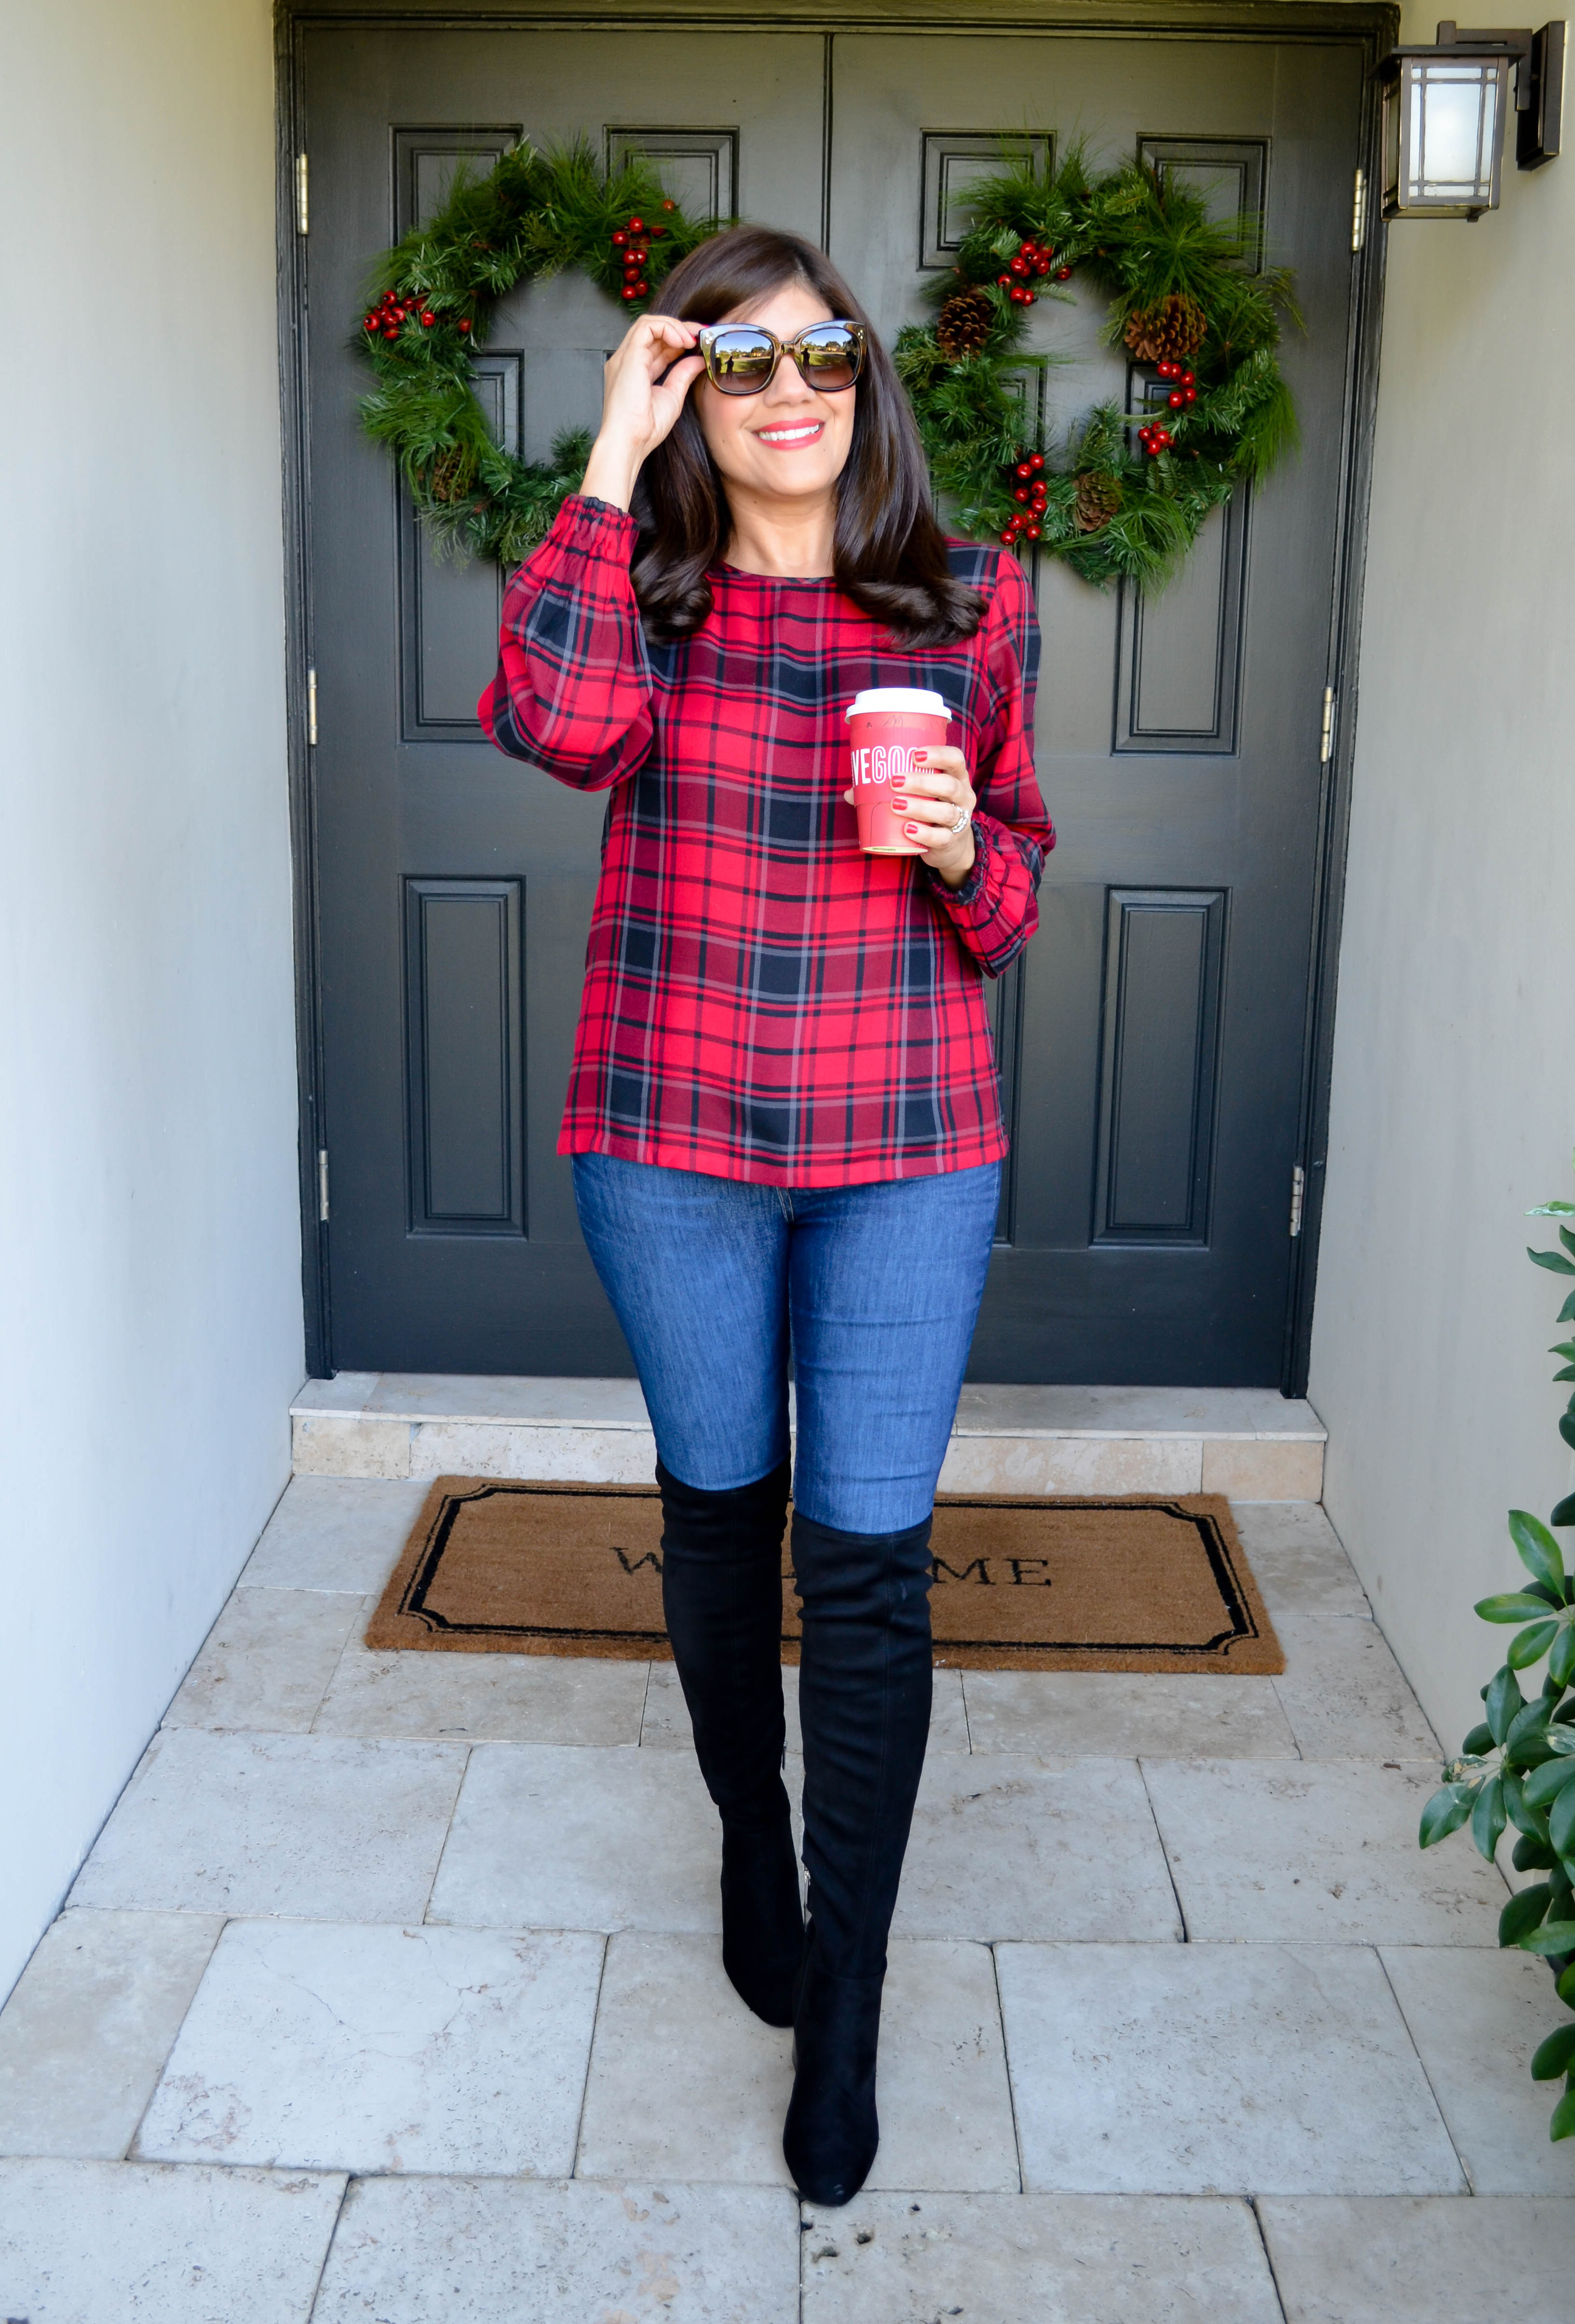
(312, 1825)
(1213, 2069)
(484, 1698)
(1036, 2259)
(92, 2019)
(1475, 2017)
(1363, 2261)
(503, 2251)
(550, 1837)
(431, 1879)
(331, 2045)
(122, 2243)
(1324, 1853)
(665, 1726)
(1018, 1847)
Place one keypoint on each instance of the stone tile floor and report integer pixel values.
(391, 1992)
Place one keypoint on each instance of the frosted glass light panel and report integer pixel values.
(1443, 134)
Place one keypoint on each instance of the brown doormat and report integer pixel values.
(1021, 1583)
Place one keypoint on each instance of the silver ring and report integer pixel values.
(962, 817)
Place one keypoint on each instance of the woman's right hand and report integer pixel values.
(640, 404)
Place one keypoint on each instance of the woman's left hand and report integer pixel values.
(929, 800)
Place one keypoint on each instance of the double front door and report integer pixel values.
(1154, 1041)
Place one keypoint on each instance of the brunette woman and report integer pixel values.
(783, 1110)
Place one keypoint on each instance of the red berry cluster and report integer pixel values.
(391, 314)
(635, 239)
(1031, 498)
(1155, 440)
(1033, 262)
(1185, 390)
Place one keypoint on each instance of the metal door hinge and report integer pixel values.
(311, 710)
(322, 1185)
(1298, 1196)
(1326, 732)
(1360, 211)
(302, 213)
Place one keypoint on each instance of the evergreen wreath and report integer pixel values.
(1118, 499)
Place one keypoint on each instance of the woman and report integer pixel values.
(783, 1113)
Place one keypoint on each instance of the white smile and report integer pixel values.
(805, 434)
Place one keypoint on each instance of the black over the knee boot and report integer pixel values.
(864, 1703)
(721, 1592)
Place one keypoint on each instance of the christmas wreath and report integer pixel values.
(1125, 496)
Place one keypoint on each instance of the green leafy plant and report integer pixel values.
(1519, 1766)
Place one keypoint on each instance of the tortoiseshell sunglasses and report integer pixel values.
(741, 358)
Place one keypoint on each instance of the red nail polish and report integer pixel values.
(910, 831)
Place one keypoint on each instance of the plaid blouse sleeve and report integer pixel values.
(573, 687)
(996, 909)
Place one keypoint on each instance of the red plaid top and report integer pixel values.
(762, 1002)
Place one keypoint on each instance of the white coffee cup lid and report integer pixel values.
(898, 697)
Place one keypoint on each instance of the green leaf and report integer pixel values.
(1524, 1911)
(1527, 1740)
(1445, 1813)
(1480, 1738)
(1566, 1238)
(1553, 1937)
(1562, 1655)
(1511, 1606)
(1564, 1515)
(1555, 2056)
(1562, 1822)
(1567, 1428)
(1544, 1784)
(1562, 2124)
(1503, 1700)
(1562, 1735)
(1529, 1646)
(1565, 1988)
(1554, 1261)
(1532, 1854)
(1538, 1552)
(1489, 1819)
(1523, 1818)
(1551, 1210)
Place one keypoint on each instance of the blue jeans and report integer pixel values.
(876, 1288)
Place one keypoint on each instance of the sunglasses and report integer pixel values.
(741, 358)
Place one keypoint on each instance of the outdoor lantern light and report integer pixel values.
(1444, 114)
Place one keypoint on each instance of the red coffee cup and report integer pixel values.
(886, 726)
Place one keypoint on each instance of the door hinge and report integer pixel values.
(1326, 732)
(1298, 1196)
(311, 710)
(1360, 211)
(302, 213)
(322, 1185)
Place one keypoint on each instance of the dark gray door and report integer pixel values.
(1152, 1043)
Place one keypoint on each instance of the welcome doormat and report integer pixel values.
(1136, 1583)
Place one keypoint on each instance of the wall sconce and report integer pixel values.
(1444, 113)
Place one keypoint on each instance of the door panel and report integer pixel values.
(1158, 1064)
(1151, 1042)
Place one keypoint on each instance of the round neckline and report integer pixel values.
(776, 580)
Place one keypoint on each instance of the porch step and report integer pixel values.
(1250, 1444)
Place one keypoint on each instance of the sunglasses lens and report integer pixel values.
(830, 357)
(741, 362)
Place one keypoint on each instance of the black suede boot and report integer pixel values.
(721, 1592)
(864, 1703)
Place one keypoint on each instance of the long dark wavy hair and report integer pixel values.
(889, 554)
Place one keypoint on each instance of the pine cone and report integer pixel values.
(1166, 333)
(964, 323)
(450, 477)
(1098, 500)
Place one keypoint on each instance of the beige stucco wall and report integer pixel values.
(1454, 1078)
(149, 1244)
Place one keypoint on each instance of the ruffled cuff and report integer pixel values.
(972, 888)
(596, 528)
